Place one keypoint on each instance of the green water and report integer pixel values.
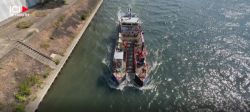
(199, 51)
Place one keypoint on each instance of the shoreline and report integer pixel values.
(32, 106)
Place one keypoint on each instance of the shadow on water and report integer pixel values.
(106, 79)
(107, 65)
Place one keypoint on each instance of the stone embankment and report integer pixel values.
(33, 105)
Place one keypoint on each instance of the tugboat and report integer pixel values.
(129, 61)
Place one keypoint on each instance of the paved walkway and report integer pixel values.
(33, 105)
(9, 34)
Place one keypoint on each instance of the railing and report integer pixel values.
(126, 60)
(35, 51)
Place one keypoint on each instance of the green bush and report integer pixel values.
(24, 24)
(24, 89)
(57, 61)
(20, 98)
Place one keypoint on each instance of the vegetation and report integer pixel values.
(20, 97)
(46, 74)
(57, 61)
(83, 17)
(39, 14)
(59, 21)
(20, 108)
(44, 45)
(64, 2)
(61, 18)
(24, 89)
(24, 24)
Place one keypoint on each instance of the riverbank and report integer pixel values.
(32, 106)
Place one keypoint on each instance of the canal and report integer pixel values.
(199, 51)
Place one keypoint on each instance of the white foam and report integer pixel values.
(104, 61)
(169, 79)
(229, 24)
(233, 14)
(149, 86)
(248, 24)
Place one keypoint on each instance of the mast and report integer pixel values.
(129, 12)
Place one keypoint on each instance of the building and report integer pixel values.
(7, 7)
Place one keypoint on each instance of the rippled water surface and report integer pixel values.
(199, 51)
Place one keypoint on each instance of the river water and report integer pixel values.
(199, 51)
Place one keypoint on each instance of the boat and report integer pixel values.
(129, 60)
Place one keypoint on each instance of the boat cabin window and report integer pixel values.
(130, 15)
(130, 31)
(130, 24)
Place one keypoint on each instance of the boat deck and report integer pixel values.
(130, 58)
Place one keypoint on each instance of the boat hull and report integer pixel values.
(129, 61)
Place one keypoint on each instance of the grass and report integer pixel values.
(59, 21)
(44, 45)
(24, 89)
(46, 74)
(24, 24)
(34, 98)
(20, 108)
(33, 80)
(40, 14)
(20, 97)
